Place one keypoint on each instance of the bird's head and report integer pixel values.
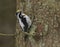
(19, 14)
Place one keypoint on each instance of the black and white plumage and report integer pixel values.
(24, 21)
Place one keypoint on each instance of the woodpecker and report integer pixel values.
(24, 21)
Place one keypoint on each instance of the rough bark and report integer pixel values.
(46, 12)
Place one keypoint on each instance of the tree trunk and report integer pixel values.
(46, 12)
(7, 22)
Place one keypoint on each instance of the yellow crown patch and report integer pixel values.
(18, 11)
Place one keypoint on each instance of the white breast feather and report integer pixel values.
(21, 24)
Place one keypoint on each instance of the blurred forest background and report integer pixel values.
(47, 23)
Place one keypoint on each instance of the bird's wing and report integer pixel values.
(28, 20)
